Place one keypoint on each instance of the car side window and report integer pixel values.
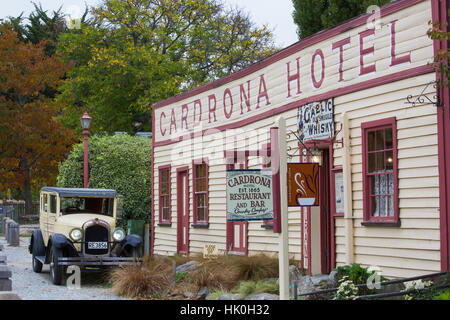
(52, 203)
(44, 202)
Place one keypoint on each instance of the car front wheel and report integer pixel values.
(56, 271)
(36, 264)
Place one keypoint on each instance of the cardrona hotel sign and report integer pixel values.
(296, 76)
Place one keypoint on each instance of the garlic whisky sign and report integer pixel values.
(315, 120)
(249, 195)
(303, 184)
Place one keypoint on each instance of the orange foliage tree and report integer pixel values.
(32, 141)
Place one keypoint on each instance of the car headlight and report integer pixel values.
(76, 234)
(118, 234)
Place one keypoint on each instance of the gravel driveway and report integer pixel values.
(38, 286)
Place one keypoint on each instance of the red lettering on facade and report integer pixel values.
(212, 102)
(293, 77)
(245, 96)
(394, 60)
(365, 51)
(160, 123)
(262, 91)
(225, 94)
(173, 122)
(316, 83)
(197, 103)
(184, 115)
(340, 45)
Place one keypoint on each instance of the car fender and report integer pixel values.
(132, 240)
(37, 241)
(60, 241)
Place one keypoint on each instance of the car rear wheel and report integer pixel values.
(56, 271)
(37, 265)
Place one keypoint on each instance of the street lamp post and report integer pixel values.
(85, 124)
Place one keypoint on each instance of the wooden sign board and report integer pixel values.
(249, 195)
(210, 251)
(303, 184)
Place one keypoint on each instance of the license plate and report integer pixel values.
(97, 245)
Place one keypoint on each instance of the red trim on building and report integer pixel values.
(161, 220)
(368, 193)
(276, 188)
(181, 248)
(152, 213)
(439, 10)
(196, 222)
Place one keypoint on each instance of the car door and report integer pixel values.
(43, 216)
(53, 209)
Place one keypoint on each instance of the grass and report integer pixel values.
(150, 278)
(154, 278)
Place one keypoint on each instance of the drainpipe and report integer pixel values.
(348, 194)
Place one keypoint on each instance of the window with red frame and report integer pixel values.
(164, 195)
(380, 171)
(201, 193)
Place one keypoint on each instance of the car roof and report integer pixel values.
(82, 192)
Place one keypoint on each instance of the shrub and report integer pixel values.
(443, 296)
(357, 275)
(117, 162)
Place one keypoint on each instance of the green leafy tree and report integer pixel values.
(312, 16)
(119, 162)
(40, 25)
(133, 53)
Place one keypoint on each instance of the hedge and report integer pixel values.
(118, 162)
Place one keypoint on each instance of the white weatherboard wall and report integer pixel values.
(412, 248)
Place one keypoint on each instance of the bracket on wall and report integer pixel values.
(291, 152)
(422, 98)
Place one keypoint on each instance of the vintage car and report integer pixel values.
(78, 227)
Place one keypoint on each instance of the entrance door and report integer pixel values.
(183, 210)
(325, 215)
(237, 240)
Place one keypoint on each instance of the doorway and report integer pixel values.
(183, 210)
(325, 214)
(237, 239)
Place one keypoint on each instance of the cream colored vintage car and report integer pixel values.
(78, 227)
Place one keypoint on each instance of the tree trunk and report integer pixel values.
(27, 192)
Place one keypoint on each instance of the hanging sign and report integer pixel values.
(249, 195)
(303, 184)
(315, 120)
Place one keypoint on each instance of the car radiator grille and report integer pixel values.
(96, 234)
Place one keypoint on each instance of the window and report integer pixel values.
(74, 205)
(44, 202)
(164, 195)
(380, 171)
(52, 203)
(200, 193)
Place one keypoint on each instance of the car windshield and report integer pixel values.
(71, 205)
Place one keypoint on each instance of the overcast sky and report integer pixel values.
(276, 14)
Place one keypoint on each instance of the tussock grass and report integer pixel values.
(225, 272)
(135, 281)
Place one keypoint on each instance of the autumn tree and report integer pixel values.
(32, 142)
(312, 16)
(441, 33)
(133, 53)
